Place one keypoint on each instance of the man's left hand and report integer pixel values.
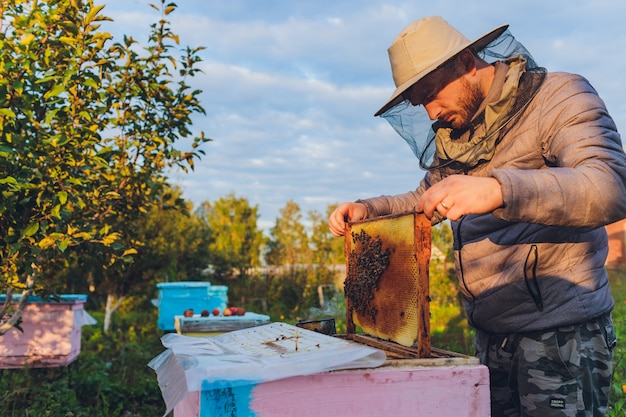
(457, 195)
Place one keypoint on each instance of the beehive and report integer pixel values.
(386, 284)
(49, 334)
(176, 297)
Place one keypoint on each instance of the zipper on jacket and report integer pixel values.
(530, 276)
(458, 239)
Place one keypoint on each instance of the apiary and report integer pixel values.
(384, 365)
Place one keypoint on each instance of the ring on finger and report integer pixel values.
(444, 205)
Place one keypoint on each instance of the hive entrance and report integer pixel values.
(386, 284)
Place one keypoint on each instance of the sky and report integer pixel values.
(290, 86)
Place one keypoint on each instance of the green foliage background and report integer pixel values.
(618, 393)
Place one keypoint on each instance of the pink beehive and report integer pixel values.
(51, 333)
(425, 391)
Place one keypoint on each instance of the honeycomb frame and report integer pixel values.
(387, 279)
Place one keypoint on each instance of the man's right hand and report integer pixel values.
(345, 211)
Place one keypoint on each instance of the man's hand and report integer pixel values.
(457, 195)
(349, 211)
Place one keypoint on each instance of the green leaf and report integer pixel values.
(31, 229)
(47, 79)
(85, 115)
(7, 112)
(63, 140)
(11, 182)
(56, 211)
(62, 196)
(50, 115)
(101, 162)
(55, 91)
(5, 151)
(90, 82)
(8, 180)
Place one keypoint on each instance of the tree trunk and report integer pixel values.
(110, 308)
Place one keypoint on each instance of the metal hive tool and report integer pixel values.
(386, 286)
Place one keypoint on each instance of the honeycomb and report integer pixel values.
(386, 285)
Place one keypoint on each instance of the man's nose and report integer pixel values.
(433, 110)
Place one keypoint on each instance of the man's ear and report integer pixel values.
(466, 61)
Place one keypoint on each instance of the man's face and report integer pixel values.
(453, 100)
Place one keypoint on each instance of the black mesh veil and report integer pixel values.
(412, 122)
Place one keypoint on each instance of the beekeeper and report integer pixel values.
(529, 167)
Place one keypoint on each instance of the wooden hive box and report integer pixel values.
(216, 325)
(240, 383)
(438, 391)
(51, 333)
(176, 297)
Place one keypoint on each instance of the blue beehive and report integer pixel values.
(176, 297)
(218, 297)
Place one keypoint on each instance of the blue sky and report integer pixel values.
(290, 86)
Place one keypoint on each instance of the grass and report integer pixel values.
(110, 377)
(617, 399)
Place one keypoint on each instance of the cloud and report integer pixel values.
(290, 87)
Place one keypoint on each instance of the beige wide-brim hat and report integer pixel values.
(422, 47)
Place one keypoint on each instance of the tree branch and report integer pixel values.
(17, 314)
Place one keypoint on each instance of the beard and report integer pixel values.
(468, 104)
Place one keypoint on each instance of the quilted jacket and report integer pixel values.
(538, 262)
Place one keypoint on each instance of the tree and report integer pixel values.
(327, 249)
(175, 242)
(172, 246)
(237, 240)
(288, 244)
(50, 113)
(87, 132)
(327, 254)
(152, 107)
(288, 250)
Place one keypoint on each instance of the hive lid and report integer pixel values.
(183, 284)
(58, 298)
(247, 357)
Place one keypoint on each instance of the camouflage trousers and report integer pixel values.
(564, 372)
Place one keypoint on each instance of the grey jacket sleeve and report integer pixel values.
(583, 182)
(391, 204)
